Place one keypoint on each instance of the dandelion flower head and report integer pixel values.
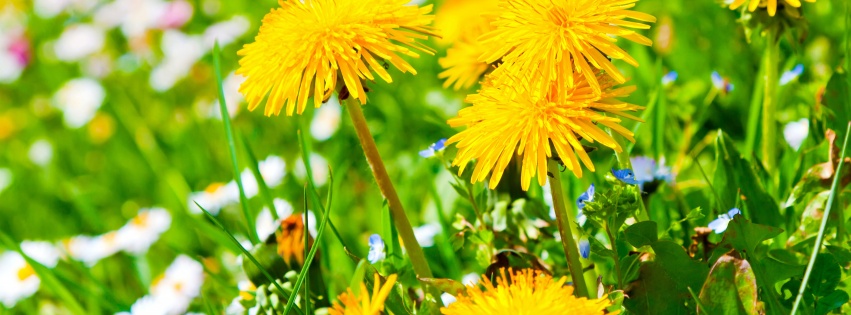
(303, 47)
(557, 38)
(460, 19)
(508, 119)
(523, 292)
(770, 5)
(362, 304)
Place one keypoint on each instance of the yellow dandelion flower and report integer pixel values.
(303, 47)
(559, 37)
(508, 117)
(458, 19)
(363, 304)
(770, 5)
(524, 292)
(462, 65)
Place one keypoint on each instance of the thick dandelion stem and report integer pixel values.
(566, 231)
(770, 61)
(386, 186)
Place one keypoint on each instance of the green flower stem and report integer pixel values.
(386, 186)
(616, 257)
(769, 101)
(566, 231)
(623, 162)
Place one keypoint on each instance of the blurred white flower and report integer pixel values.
(135, 17)
(78, 41)
(326, 120)
(5, 179)
(319, 167)
(142, 231)
(425, 234)
(447, 299)
(796, 132)
(173, 291)
(226, 32)
(217, 195)
(91, 249)
(79, 100)
(273, 169)
(41, 152)
(180, 52)
(18, 279)
(470, 279)
(233, 99)
(44, 253)
(213, 198)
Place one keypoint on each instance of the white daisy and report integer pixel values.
(320, 170)
(79, 100)
(41, 152)
(91, 249)
(79, 41)
(326, 120)
(18, 278)
(180, 53)
(142, 231)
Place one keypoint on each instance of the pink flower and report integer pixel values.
(176, 15)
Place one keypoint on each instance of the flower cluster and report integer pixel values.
(554, 85)
(173, 291)
(136, 237)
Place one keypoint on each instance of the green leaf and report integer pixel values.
(734, 176)
(642, 233)
(830, 302)
(663, 283)
(826, 275)
(730, 288)
(746, 236)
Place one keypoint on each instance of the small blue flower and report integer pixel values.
(376, 249)
(588, 195)
(434, 148)
(719, 225)
(793, 74)
(669, 78)
(721, 83)
(625, 175)
(584, 247)
(644, 168)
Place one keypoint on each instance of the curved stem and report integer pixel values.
(566, 231)
(386, 186)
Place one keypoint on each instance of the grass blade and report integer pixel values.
(325, 218)
(823, 227)
(252, 230)
(261, 183)
(248, 254)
